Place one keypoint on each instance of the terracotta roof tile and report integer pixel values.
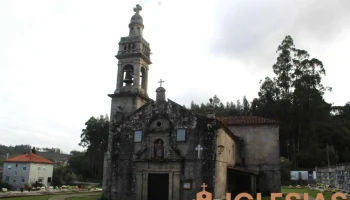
(246, 120)
(29, 157)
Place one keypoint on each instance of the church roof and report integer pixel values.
(29, 157)
(246, 120)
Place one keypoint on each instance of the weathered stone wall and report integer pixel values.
(262, 154)
(226, 158)
(127, 103)
(125, 153)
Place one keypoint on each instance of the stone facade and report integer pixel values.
(161, 150)
(135, 157)
(134, 161)
(261, 153)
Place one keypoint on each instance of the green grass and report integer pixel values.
(43, 197)
(90, 197)
(46, 197)
(311, 192)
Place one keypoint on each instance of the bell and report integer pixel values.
(128, 77)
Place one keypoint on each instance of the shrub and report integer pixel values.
(37, 184)
(5, 185)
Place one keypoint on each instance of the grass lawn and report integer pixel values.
(43, 197)
(93, 196)
(312, 193)
(90, 197)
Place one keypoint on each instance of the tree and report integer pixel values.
(33, 150)
(95, 138)
(63, 176)
(79, 163)
(295, 98)
(246, 106)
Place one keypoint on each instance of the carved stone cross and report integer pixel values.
(199, 149)
(137, 9)
(160, 82)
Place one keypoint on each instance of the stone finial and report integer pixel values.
(137, 9)
(211, 111)
(136, 19)
(160, 94)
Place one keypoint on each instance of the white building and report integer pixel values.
(27, 169)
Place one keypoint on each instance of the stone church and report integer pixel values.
(159, 150)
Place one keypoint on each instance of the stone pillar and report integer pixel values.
(160, 94)
(139, 185)
(144, 185)
(119, 78)
(136, 75)
(253, 185)
(146, 79)
(176, 186)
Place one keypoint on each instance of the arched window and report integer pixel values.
(143, 78)
(158, 148)
(128, 75)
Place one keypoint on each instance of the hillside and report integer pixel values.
(48, 153)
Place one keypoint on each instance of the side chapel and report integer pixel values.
(159, 150)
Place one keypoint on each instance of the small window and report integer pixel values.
(15, 173)
(23, 180)
(16, 165)
(24, 167)
(14, 181)
(181, 135)
(49, 180)
(9, 166)
(7, 179)
(44, 168)
(39, 168)
(138, 136)
(40, 180)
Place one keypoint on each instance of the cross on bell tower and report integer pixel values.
(137, 8)
(131, 85)
(133, 66)
(160, 82)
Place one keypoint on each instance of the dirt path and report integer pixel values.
(310, 197)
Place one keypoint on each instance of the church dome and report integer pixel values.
(160, 89)
(160, 94)
(136, 19)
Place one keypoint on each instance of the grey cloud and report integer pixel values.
(251, 31)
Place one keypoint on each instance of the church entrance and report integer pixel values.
(158, 186)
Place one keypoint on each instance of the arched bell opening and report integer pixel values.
(143, 78)
(128, 78)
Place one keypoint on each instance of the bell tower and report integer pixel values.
(133, 64)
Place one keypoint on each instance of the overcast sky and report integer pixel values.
(57, 61)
